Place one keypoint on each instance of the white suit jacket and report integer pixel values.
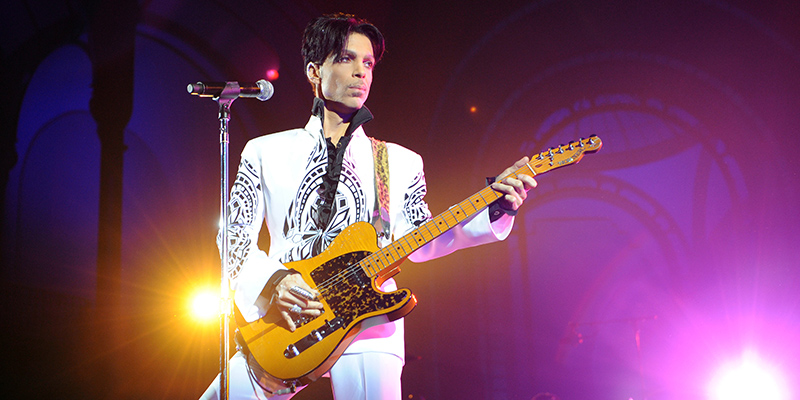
(279, 181)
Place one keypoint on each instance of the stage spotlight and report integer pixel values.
(205, 305)
(272, 74)
(749, 378)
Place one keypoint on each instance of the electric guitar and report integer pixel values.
(348, 274)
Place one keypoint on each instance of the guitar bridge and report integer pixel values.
(295, 349)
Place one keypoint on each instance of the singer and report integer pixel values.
(311, 183)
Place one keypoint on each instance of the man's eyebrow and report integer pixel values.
(344, 52)
(348, 52)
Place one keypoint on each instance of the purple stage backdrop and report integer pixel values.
(635, 274)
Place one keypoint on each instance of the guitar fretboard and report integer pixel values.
(545, 161)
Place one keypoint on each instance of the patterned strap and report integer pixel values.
(380, 218)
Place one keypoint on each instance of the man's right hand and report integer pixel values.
(292, 304)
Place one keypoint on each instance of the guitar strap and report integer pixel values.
(380, 218)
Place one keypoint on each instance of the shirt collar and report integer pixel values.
(361, 117)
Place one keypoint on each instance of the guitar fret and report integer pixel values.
(418, 238)
(378, 266)
(410, 241)
(491, 194)
(449, 219)
(468, 210)
(432, 227)
(375, 262)
(400, 249)
(404, 243)
(382, 260)
(376, 257)
(367, 266)
(390, 252)
(387, 254)
(442, 220)
(373, 270)
(482, 201)
(459, 214)
(430, 234)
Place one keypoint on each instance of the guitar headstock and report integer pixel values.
(564, 154)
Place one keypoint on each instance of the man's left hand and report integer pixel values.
(514, 190)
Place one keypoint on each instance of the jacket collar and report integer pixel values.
(361, 117)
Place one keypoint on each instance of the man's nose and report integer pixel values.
(360, 70)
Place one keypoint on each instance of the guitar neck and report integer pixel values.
(391, 255)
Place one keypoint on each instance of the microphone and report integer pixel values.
(261, 90)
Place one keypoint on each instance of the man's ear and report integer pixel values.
(312, 73)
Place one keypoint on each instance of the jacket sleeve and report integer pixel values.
(249, 268)
(475, 231)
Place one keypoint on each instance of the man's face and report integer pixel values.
(345, 78)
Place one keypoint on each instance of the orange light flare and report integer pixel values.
(204, 305)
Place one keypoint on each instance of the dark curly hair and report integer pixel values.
(328, 34)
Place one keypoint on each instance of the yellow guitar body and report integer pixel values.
(349, 297)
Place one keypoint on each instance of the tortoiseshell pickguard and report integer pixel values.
(348, 290)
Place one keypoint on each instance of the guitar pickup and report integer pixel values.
(295, 349)
(304, 319)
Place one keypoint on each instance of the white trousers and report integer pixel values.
(364, 376)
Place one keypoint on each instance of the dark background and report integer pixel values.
(634, 274)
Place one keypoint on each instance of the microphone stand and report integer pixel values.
(230, 92)
(225, 100)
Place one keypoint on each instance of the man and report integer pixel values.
(311, 183)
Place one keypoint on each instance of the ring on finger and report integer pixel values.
(295, 309)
